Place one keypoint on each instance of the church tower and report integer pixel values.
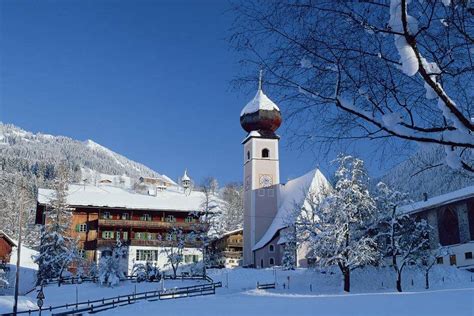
(260, 118)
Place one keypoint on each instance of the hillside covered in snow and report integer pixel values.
(426, 172)
(39, 154)
(30, 161)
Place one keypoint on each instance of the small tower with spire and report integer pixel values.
(260, 118)
(186, 182)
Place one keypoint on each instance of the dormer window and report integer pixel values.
(265, 153)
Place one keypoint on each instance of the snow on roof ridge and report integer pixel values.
(231, 232)
(13, 241)
(294, 191)
(115, 197)
(438, 200)
(259, 102)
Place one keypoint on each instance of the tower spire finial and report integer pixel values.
(260, 79)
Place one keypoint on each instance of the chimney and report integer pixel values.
(425, 196)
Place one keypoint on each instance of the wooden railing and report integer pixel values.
(145, 242)
(145, 224)
(233, 254)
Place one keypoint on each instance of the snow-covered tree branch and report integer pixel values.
(397, 69)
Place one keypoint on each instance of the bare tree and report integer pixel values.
(401, 237)
(429, 258)
(208, 215)
(174, 252)
(370, 70)
(233, 208)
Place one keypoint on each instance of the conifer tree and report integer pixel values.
(57, 249)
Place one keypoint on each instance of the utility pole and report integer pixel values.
(18, 254)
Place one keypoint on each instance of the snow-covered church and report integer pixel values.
(267, 202)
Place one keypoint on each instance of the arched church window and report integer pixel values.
(448, 227)
(248, 154)
(271, 248)
(265, 153)
(272, 261)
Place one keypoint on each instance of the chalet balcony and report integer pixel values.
(149, 243)
(232, 254)
(148, 224)
(235, 244)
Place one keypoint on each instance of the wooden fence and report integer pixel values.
(95, 306)
(265, 286)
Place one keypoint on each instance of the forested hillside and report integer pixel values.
(427, 172)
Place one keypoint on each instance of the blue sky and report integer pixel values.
(147, 79)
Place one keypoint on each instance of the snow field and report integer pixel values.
(310, 293)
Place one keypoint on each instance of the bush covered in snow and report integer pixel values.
(110, 271)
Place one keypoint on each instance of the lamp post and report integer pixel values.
(18, 254)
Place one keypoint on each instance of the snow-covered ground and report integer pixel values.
(28, 270)
(309, 293)
(453, 296)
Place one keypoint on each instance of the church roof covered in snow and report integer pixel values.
(294, 192)
(109, 196)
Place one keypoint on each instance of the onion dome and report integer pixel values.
(260, 114)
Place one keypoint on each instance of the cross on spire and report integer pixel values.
(260, 79)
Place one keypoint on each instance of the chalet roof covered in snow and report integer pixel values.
(439, 200)
(259, 102)
(292, 193)
(235, 231)
(109, 196)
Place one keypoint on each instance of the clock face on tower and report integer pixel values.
(265, 180)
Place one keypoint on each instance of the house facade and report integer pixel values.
(451, 216)
(6, 247)
(145, 224)
(228, 248)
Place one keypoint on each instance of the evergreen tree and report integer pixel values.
(57, 249)
(289, 249)
(3, 275)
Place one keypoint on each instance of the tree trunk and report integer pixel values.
(347, 280)
(427, 281)
(399, 281)
(175, 269)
